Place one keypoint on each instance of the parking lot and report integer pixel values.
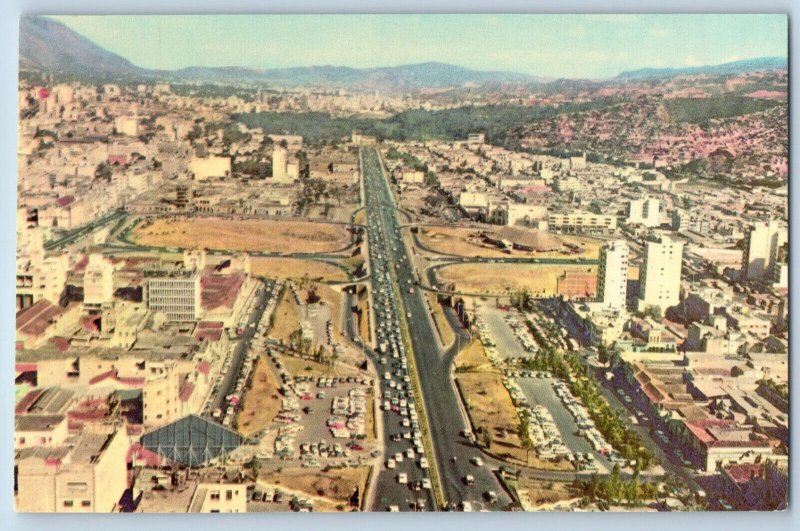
(539, 391)
(507, 333)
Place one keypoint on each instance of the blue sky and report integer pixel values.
(585, 46)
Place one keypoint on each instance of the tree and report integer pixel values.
(255, 467)
(525, 436)
(487, 439)
(603, 355)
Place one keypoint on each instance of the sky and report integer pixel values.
(576, 46)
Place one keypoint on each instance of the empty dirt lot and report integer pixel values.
(261, 402)
(467, 242)
(297, 269)
(500, 278)
(243, 235)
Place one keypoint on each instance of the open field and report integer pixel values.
(446, 334)
(286, 318)
(296, 268)
(361, 217)
(302, 367)
(474, 358)
(261, 402)
(491, 409)
(243, 235)
(538, 492)
(466, 241)
(495, 278)
(335, 485)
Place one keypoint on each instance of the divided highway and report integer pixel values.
(454, 452)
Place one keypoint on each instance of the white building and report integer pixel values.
(612, 275)
(761, 245)
(645, 211)
(280, 163)
(660, 275)
(176, 294)
(127, 125)
(98, 280)
(210, 167)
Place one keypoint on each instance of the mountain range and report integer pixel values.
(49, 46)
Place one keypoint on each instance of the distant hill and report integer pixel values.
(50, 46)
(422, 75)
(735, 67)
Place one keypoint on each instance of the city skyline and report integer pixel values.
(571, 46)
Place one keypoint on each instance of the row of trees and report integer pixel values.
(615, 489)
(569, 368)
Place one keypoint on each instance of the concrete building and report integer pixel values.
(219, 498)
(280, 159)
(175, 293)
(98, 280)
(660, 274)
(127, 125)
(645, 211)
(413, 177)
(90, 476)
(476, 139)
(212, 167)
(612, 275)
(161, 394)
(761, 245)
(581, 222)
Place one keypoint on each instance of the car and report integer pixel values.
(477, 461)
(390, 464)
(423, 463)
(426, 483)
(402, 477)
(398, 457)
(394, 509)
(469, 479)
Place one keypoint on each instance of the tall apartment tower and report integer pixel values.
(279, 164)
(612, 276)
(761, 245)
(660, 275)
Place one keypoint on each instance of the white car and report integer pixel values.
(402, 477)
(398, 457)
(423, 462)
(390, 464)
(426, 483)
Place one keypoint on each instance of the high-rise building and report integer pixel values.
(761, 245)
(660, 275)
(279, 164)
(174, 293)
(612, 276)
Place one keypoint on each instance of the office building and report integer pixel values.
(612, 275)
(176, 294)
(660, 274)
(761, 245)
